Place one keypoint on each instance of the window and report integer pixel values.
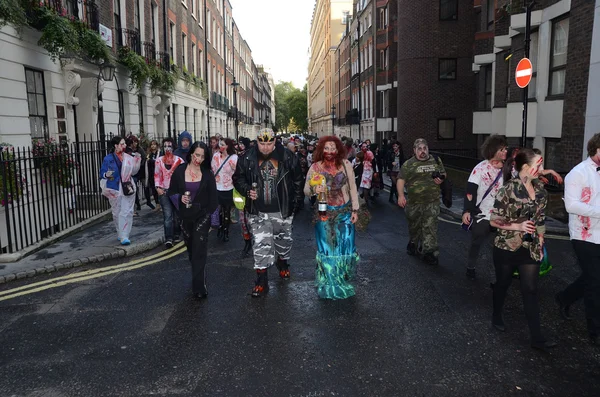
(185, 118)
(447, 68)
(195, 117)
(200, 65)
(558, 56)
(490, 14)
(172, 42)
(194, 60)
(345, 17)
(141, 111)
(208, 26)
(183, 50)
(485, 96)
(448, 10)
(446, 129)
(36, 101)
(174, 118)
(136, 15)
(533, 57)
(154, 23)
(383, 18)
(200, 9)
(383, 58)
(117, 21)
(194, 8)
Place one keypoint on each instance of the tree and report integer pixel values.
(290, 102)
(293, 127)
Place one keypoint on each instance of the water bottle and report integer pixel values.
(189, 196)
(322, 206)
(529, 236)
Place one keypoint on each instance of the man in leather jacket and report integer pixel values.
(269, 175)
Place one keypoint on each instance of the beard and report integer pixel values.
(265, 156)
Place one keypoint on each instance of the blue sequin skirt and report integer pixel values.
(336, 255)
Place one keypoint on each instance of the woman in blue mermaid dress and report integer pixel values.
(336, 251)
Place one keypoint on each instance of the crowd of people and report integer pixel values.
(262, 184)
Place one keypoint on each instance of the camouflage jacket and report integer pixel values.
(513, 205)
(417, 176)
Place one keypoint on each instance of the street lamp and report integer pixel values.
(333, 119)
(235, 85)
(107, 70)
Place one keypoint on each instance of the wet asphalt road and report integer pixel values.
(411, 330)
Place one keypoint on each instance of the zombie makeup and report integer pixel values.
(120, 147)
(198, 156)
(422, 152)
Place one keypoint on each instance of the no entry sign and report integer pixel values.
(524, 72)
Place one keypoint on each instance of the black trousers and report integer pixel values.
(587, 286)
(480, 230)
(195, 235)
(225, 205)
(505, 263)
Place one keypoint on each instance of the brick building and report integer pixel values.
(435, 82)
(386, 69)
(195, 41)
(560, 94)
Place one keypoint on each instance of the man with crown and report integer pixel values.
(269, 175)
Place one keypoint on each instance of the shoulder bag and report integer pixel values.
(489, 189)
(127, 187)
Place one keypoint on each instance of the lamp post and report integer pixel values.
(107, 73)
(235, 85)
(332, 119)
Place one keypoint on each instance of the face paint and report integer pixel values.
(198, 156)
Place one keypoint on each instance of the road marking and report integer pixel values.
(94, 273)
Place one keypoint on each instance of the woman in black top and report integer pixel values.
(195, 210)
(151, 157)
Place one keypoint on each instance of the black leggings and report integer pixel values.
(195, 235)
(505, 263)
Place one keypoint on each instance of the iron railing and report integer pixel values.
(130, 38)
(149, 51)
(48, 188)
(165, 60)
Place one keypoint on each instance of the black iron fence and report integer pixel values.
(47, 188)
(85, 11)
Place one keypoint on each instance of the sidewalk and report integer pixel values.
(94, 244)
(553, 226)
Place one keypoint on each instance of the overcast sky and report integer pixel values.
(278, 33)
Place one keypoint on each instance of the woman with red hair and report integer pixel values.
(332, 174)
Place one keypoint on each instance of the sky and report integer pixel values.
(278, 33)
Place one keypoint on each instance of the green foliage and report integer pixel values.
(290, 102)
(55, 161)
(293, 127)
(12, 13)
(94, 47)
(11, 182)
(161, 80)
(139, 70)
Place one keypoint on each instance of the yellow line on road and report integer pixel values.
(176, 250)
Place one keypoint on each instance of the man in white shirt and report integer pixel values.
(483, 185)
(582, 201)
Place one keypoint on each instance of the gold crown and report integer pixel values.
(265, 135)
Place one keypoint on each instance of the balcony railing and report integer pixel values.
(85, 11)
(150, 51)
(164, 59)
(130, 38)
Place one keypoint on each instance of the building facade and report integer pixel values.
(386, 69)
(561, 91)
(327, 27)
(195, 41)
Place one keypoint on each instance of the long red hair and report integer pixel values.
(341, 149)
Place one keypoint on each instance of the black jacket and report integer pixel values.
(390, 156)
(205, 202)
(289, 179)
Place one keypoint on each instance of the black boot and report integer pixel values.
(247, 248)
(225, 234)
(220, 232)
(261, 285)
(284, 268)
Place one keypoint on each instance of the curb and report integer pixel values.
(154, 240)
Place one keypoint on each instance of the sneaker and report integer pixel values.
(177, 239)
(125, 241)
(169, 244)
(284, 269)
(260, 290)
(471, 275)
(411, 248)
(261, 285)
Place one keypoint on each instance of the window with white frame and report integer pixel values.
(200, 9)
(194, 69)
(208, 26)
(36, 102)
(490, 4)
(558, 56)
(200, 65)
(533, 57)
(194, 2)
(172, 47)
(345, 17)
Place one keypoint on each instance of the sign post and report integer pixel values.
(524, 72)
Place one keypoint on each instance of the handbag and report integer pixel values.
(126, 187)
(467, 227)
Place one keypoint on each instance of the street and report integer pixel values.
(411, 330)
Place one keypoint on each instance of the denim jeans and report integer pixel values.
(172, 228)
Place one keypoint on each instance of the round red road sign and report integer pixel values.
(524, 72)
